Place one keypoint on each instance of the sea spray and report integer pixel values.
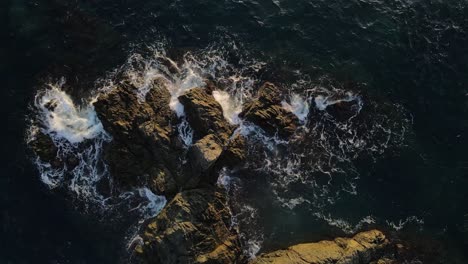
(298, 105)
(231, 107)
(63, 119)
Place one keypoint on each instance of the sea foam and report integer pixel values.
(63, 119)
(297, 105)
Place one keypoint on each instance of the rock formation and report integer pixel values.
(144, 142)
(195, 227)
(205, 114)
(363, 248)
(266, 111)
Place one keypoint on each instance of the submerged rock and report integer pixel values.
(363, 248)
(195, 227)
(266, 111)
(44, 147)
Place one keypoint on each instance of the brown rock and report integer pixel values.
(205, 152)
(363, 248)
(267, 112)
(193, 228)
(162, 181)
(205, 114)
(202, 157)
(142, 135)
(121, 113)
(269, 94)
(234, 154)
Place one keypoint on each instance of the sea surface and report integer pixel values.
(401, 165)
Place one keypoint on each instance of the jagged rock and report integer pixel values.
(205, 114)
(127, 164)
(202, 157)
(266, 111)
(361, 249)
(142, 134)
(157, 98)
(205, 152)
(121, 113)
(193, 228)
(234, 154)
(162, 181)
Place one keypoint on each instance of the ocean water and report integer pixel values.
(398, 163)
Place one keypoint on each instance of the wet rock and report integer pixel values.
(121, 113)
(205, 114)
(234, 154)
(193, 228)
(158, 99)
(205, 152)
(162, 181)
(269, 94)
(363, 248)
(266, 111)
(44, 147)
(142, 134)
(202, 157)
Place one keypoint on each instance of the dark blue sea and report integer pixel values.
(411, 55)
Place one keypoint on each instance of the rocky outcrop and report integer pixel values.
(201, 159)
(144, 143)
(205, 114)
(234, 153)
(195, 227)
(266, 111)
(363, 248)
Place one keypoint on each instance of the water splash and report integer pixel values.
(344, 225)
(322, 102)
(231, 107)
(298, 105)
(63, 119)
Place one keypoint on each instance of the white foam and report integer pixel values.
(231, 107)
(344, 225)
(402, 223)
(253, 247)
(51, 177)
(63, 119)
(185, 132)
(297, 105)
(322, 102)
(153, 205)
(187, 80)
